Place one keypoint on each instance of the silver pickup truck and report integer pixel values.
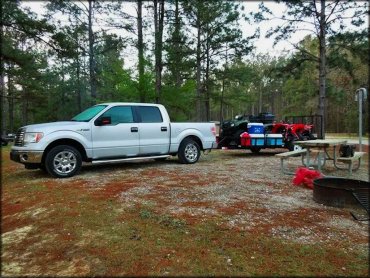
(110, 132)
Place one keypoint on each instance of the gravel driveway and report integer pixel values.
(241, 189)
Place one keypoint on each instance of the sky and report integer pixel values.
(262, 45)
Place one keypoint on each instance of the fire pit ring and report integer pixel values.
(337, 192)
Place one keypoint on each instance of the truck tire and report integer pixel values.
(63, 161)
(189, 151)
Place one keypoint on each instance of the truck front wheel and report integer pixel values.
(63, 161)
(189, 151)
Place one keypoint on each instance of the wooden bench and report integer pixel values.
(286, 155)
(350, 160)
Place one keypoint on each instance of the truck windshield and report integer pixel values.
(89, 113)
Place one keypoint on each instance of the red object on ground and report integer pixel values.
(245, 139)
(304, 176)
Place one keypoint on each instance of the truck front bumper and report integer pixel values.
(26, 157)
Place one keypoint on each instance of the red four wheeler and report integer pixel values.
(292, 132)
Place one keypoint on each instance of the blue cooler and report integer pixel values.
(274, 140)
(257, 140)
(256, 128)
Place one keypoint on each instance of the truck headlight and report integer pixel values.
(32, 137)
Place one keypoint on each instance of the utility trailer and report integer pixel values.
(275, 134)
(254, 139)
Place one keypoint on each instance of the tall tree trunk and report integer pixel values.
(25, 97)
(177, 71)
(79, 93)
(92, 65)
(223, 89)
(222, 101)
(10, 101)
(78, 77)
(3, 97)
(206, 85)
(63, 100)
(322, 69)
(198, 65)
(140, 47)
(25, 107)
(158, 29)
(271, 102)
(260, 99)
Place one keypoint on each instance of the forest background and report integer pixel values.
(198, 58)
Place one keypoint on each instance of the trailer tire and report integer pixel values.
(255, 149)
(189, 151)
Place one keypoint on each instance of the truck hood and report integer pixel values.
(57, 126)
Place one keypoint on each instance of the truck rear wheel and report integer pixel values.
(189, 151)
(63, 161)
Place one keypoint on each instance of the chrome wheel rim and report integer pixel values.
(191, 152)
(64, 162)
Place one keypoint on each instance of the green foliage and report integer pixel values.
(177, 101)
(219, 41)
(114, 82)
(47, 72)
(323, 19)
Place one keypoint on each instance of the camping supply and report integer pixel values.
(256, 128)
(305, 177)
(257, 139)
(347, 150)
(274, 140)
(245, 139)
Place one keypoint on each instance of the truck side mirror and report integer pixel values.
(103, 121)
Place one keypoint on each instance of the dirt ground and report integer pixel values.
(242, 196)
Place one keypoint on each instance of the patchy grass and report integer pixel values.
(230, 214)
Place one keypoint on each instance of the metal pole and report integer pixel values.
(361, 96)
(360, 118)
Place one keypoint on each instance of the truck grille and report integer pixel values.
(19, 137)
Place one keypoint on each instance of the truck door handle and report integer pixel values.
(134, 129)
(163, 128)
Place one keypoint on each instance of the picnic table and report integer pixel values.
(326, 149)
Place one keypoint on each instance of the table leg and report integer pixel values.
(321, 159)
(306, 163)
(335, 159)
(327, 154)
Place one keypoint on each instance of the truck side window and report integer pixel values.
(150, 114)
(120, 114)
